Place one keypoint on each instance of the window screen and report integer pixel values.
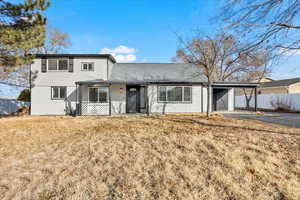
(162, 93)
(103, 93)
(98, 95)
(55, 92)
(63, 64)
(187, 94)
(93, 94)
(52, 64)
(175, 93)
(59, 92)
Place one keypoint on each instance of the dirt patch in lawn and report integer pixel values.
(139, 157)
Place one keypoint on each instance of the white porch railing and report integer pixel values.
(88, 108)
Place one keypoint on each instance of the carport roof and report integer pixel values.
(281, 83)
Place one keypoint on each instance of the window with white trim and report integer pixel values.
(174, 94)
(98, 94)
(58, 92)
(87, 66)
(60, 64)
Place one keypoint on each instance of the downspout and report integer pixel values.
(107, 69)
(109, 99)
(76, 104)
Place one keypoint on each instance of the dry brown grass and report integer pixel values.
(139, 157)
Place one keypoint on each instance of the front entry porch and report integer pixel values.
(107, 98)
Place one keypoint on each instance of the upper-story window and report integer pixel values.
(60, 64)
(87, 66)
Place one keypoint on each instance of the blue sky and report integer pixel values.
(147, 26)
(143, 28)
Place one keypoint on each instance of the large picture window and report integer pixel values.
(58, 92)
(174, 94)
(98, 94)
(58, 64)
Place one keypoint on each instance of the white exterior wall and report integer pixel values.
(118, 99)
(42, 104)
(156, 107)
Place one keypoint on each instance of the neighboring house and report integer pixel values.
(265, 79)
(94, 84)
(285, 86)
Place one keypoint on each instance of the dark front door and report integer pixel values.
(220, 99)
(132, 99)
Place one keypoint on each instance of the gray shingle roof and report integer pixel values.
(156, 72)
(281, 83)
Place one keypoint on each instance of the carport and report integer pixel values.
(220, 94)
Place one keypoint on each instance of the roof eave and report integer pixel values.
(109, 56)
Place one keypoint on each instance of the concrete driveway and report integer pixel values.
(286, 119)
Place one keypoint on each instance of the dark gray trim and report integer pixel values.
(108, 56)
(44, 65)
(235, 84)
(146, 82)
(139, 82)
(71, 64)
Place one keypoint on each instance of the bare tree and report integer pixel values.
(219, 57)
(56, 41)
(265, 23)
(254, 74)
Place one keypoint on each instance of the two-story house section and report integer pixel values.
(53, 88)
(94, 84)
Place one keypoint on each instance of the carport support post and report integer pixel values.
(147, 100)
(255, 99)
(109, 99)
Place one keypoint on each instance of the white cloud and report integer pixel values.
(121, 53)
(125, 58)
(290, 52)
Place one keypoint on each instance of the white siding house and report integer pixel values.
(94, 84)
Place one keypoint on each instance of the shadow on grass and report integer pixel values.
(192, 121)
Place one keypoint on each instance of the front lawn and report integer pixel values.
(140, 157)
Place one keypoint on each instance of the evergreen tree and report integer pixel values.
(22, 29)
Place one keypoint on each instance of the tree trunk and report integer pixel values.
(248, 98)
(248, 103)
(208, 99)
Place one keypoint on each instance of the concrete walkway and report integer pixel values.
(286, 119)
